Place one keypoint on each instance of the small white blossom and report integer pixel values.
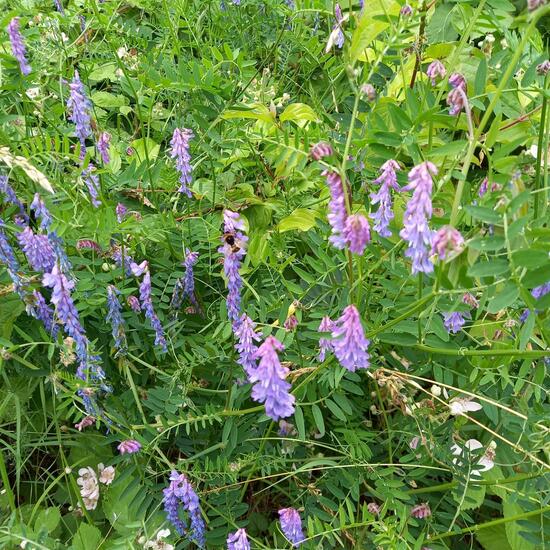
(461, 405)
(436, 390)
(158, 543)
(89, 488)
(486, 462)
(106, 475)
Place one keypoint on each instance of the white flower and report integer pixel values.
(158, 543)
(89, 488)
(461, 405)
(106, 475)
(436, 390)
(486, 462)
(33, 93)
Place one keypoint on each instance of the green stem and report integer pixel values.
(531, 354)
(541, 192)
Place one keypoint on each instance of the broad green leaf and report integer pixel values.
(298, 112)
(487, 215)
(47, 519)
(504, 298)
(493, 538)
(107, 100)
(368, 29)
(530, 258)
(301, 219)
(86, 538)
(140, 146)
(490, 268)
(318, 418)
(256, 111)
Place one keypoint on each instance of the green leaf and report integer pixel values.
(302, 219)
(490, 268)
(47, 519)
(487, 215)
(530, 258)
(449, 149)
(473, 499)
(107, 100)
(255, 111)
(487, 243)
(300, 424)
(140, 145)
(318, 418)
(504, 298)
(367, 30)
(493, 538)
(298, 112)
(86, 538)
(481, 77)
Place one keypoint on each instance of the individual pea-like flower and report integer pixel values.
(246, 348)
(349, 342)
(470, 300)
(133, 302)
(291, 322)
(537, 293)
(270, 386)
(291, 525)
(357, 233)
(321, 150)
(180, 152)
(18, 46)
(417, 215)
(368, 91)
(114, 317)
(457, 98)
(337, 36)
(373, 508)
(532, 5)
(337, 212)
(180, 491)
(129, 446)
(159, 543)
(406, 10)
(41, 212)
(233, 249)
(421, 511)
(91, 180)
(106, 474)
(88, 244)
(79, 112)
(447, 239)
(461, 405)
(543, 68)
(484, 463)
(286, 428)
(84, 423)
(387, 181)
(435, 70)
(120, 212)
(89, 487)
(483, 187)
(147, 305)
(453, 321)
(103, 146)
(238, 540)
(43, 312)
(325, 344)
(12, 198)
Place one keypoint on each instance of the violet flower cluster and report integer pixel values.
(457, 98)
(291, 526)
(38, 250)
(447, 240)
(147, 305)
(120, 212)
(180, 152)
(103, 146)
(180, 492)
(339, 33)
(233, 249)
(269, 384)
(537, 293)
(238, 540)
(114, 317)
(43, 312)
(9, 259)
(18, 46)
(41, 212)
(436, 70)
(349, 343)
(417, 215)
(91, 181)
(387, 181)
(453, 321)
(325, 344)
(246, 335)
(129, 446)
(79, 112)
(11, 197)
(357, 233)
(185, 287)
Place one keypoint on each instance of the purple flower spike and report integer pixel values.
(114, 317)
(147, 305)
(92, 183)
(419, 211)
(120, 212)
(245, 346)
(8, 258)
(43, 312)
(18, 46)
(447, 239)
(79, 109)
(180, 152)
(130, 446)
(59, 7)
(436, 70)
(387, 181)
(270, 386)
(337, 212)
(233, 248)
(453, 321)
(180, 491)
(339, 36)
(349, 342)
(357, 233)
(291, 525)
(37, 249)
(103, 146)
(238, 540)
(457, 98)
(321, 150)
(12, 198)
(185, 287)
(41, 212)
(325, 344)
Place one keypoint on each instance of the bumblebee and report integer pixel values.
(232, 241)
